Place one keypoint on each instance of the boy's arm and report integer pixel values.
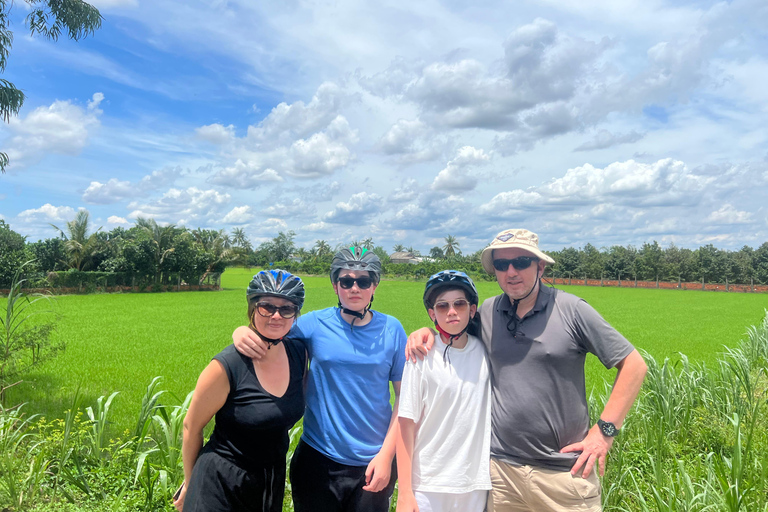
(249, 343)
(379, 470)
(406, 501)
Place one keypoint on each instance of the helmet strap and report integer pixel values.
(358, 315)
(451, 338)
(271, 342)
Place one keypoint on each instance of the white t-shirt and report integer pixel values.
(450, 402)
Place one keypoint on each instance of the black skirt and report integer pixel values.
(218, 485)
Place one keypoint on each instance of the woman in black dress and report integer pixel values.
(256, 402)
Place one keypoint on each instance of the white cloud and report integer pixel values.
(117, 221)
(63, 128)
(177, 206)
(729, 215)
(355, 211)
(456, 177)
(605, 139)
(289, 209)
(47, 213)
(114, 190)
(245, 175)
(238, 215)
(216, 133)
(110, 4)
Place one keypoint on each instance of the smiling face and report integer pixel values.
(354, 298)
(273, 326)
(450, 317)
(517, 283)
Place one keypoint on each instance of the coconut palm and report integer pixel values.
(451, 246)
(239, 239)
(398, 248)
(321, 248)
(80, 245)
(162, 241)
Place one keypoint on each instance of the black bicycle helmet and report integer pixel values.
(356, 258)
(449, 278)
(277, 283)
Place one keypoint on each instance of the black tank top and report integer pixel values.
(252, 427)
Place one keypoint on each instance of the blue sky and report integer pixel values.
(403, 121)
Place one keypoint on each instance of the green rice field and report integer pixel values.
(119, 342)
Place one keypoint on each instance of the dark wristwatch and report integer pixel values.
(607, 428)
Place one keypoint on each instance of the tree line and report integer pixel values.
(158, 254)
(147, 252)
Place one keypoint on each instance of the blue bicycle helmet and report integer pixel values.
(446, 278)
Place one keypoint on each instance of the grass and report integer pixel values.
(119, 342)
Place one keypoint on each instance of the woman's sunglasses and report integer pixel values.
(459, 305)
(266, 309)
(519, 263)
(362, 282)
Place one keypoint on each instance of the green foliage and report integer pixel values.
(11, 255)
(24, 343)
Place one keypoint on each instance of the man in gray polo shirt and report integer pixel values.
(543, 451)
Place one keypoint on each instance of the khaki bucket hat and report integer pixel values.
(519, 238)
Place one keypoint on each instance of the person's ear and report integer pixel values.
(431, 313)
(472, 311)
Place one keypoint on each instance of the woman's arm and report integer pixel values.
(210, 394)
(380, 468)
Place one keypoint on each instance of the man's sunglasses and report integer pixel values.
(459, 305)
(519, 263)
(362, 282)
(266, 309)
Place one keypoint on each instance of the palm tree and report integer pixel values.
(451, 246)
(79, 245)
(321, 248)
(239, 239)
(398, 248)
(162, 241)
(367, 243)
(216, 244)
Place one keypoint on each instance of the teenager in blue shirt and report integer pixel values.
(344, 461)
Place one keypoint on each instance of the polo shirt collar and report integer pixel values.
(542, 299)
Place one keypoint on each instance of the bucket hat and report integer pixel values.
(513, 238)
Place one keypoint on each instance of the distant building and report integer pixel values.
(404, 257)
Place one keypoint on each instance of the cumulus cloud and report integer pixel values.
(61, 128)
(360, 207)
(216, 133)
(605, 139)
(117, 221)
(238, 215)
(297, 140)
(456, 177)
(181, 206)
(115, 190)
(410, 141)
(47, 213)
(289, 209)
(728, 214)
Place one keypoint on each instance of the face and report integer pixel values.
(450, 317)
(513, 282)
(274, 326)
(354, 298)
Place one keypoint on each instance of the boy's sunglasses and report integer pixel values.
(362, 282)
(266, 309)
(519, 263)
(459, 305)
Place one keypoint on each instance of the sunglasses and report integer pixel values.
(362, 282)
(459, 305)
(266, 309)
(519, 263)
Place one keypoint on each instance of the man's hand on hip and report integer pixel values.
(594, 448)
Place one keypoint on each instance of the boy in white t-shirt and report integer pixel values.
(443, 448)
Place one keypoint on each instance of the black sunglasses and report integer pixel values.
(519, 263)
(266, 309)
(362, 282)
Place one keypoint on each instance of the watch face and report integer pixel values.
(609, 429)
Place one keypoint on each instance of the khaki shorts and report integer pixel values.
(528, 489)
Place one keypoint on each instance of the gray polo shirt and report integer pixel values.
(539, 402)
